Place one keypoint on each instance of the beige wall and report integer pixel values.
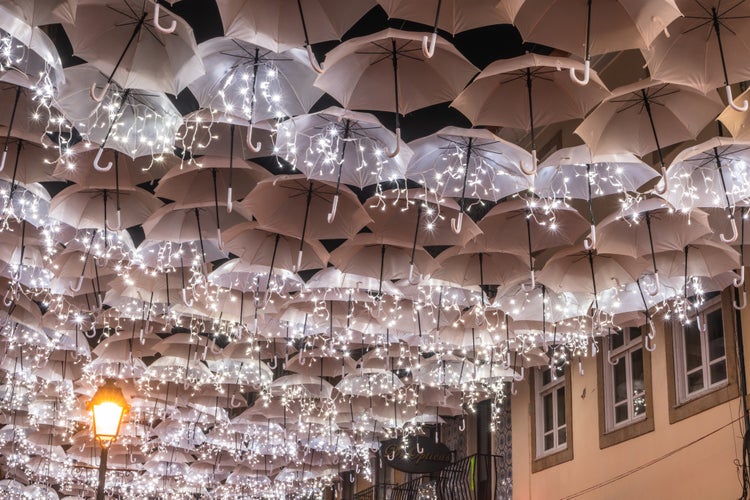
(704, 470)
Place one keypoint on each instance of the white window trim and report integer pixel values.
(552, 387)
(681, 374)
(622, 355)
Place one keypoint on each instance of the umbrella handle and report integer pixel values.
(534, 162)
(457, 223)
(394, 153)
(334, 206)
(8, 298)
(462, 425)
(214, 349)
(413, 279)
(506, 362)
(77, 287)
(166, 31)
(100, 96)
(518, 377)
(527, 287)
(92, 333)
(391, 455)
(733, 236)
(649, 344)
(2, 160)
(513, 390)
(99, 157)
(586, 74)
(428, 45)
(234, 402)
(119, 223)
(229, 200)
(420, 449)
(730, 100)
(219, 243)
(657, 286)
(742, 303)
(660, 21)
(663, 182)
(610, 361)
(589, 243)
(254, 148)
(739, 282)
(581, 371)
(185, 300)
(275, 363)
(299, 262)
(316, 66)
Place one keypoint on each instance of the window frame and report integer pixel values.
(681, 404)
(609, 432)
(543, 459)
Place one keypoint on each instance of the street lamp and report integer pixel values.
(107, 407)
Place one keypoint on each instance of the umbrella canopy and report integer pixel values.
(122, 42)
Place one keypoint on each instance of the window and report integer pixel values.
(624, 378)
(703, 358)
(551, 415)
(625, 408)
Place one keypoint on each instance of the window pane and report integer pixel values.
(549, 441)
(634, 333)
(546, 376)
(547, 412)
(620, 380)
(621, 413)
(616, 340)
(692, 346)
(718, 372)
(561, 406)
(562, 437)
(695, 381)
(636, 370)
(715, 330)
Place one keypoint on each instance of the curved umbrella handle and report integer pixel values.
(462, 425)
(527, 287)
(664, 183)
(234, 403)
(651, 329)
(506, 362)
(534, 162)
(518, 377)
(457, 223)
(275, 363)
(589, 243)
(586, 74)
(214, 349)
(742, 303)
(428, 45)
(166, 31)
(649, 344)
(119, 222)
(733, 236)
(92, 332)
(657, 286)
(391, 455)
(77, 287)
(98, 97)
(317, 67)
(99, 157)
(8, 298)
(610, 361)
(513, 390)
(741, 281)
(334, 206)
(394, 153)
(249, 137)
(730, 100)
(420, 449)
(229, 200)
(2, 160)
(185, 300)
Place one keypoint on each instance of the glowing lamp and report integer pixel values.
(107, 407)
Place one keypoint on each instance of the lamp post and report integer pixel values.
(107, 407)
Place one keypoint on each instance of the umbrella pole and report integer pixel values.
(216, 209)
(304, 227)
(653, 256)
(727, 89)
(10, 127)
(587, 58)
(313, 62)
(456, 225)
(414, 246)
(334, 206)
(531, 171)
(662, 166)
(200, 236)
(589, 243)
(273, 261)
(394, 59)
(92, 92)
(231, 161)
(593, 279)
(15, 172)
(531, 258)
(730, 206)
(382, 265)
(481, 276)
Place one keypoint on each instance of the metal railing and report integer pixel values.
(477, 477)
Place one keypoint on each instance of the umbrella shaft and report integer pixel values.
(717, 29)
(394, 58)
(647, 105)
(307, 214)
(136, 30)
(531, 108)
(12, 116)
